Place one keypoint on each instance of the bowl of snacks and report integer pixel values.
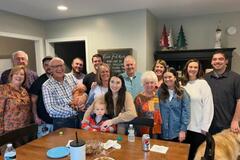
(93, 147)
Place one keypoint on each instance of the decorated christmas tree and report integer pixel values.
(164, 38)
(181, 41)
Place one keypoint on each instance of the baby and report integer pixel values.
(94, 122)
(79, 97)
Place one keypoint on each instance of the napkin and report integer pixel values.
(111, 143)
(159, 149)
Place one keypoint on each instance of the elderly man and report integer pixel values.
(77, 69)
(225, 87)
(57, 95)
(20, 58)
(41, 116)
(97, 59)
(132, 78)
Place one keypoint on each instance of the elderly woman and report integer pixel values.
(15, 111)
(159, 68)
(103, 75)
(147, 103)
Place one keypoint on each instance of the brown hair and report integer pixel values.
(160, 61)
(97, 55)
(185, 78)
(16, 69)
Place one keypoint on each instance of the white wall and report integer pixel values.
(151, 39)
(21, 25)
(200, 32)
(109, 31)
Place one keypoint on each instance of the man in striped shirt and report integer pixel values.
(57, 95)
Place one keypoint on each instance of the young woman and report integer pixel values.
(174, 107)
(15, 110)
(201, 104)
(147, 103)
(120, 106)
(159, 67)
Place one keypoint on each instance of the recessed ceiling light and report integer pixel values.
(62, 8)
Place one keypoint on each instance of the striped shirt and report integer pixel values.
(57, 96)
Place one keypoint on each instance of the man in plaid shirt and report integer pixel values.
(57, 95)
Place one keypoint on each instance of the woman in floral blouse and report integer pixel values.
(15, 111)
(147, 103)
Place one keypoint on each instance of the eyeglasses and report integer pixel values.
(57, 66)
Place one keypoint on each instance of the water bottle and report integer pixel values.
(131, 135)
(10, 153)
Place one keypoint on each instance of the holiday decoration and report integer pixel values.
(164, 39)
(218, 36)
(170, 39)
(181, 41)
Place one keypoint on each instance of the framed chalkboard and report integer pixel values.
(114, 58)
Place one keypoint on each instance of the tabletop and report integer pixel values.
(38, 148)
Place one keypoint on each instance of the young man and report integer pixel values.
(41, 116)
(97, 59)
(77, 69)
(225, 87)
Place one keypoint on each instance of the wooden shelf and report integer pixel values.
(178, 58)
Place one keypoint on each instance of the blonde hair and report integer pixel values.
(149, 76)
(17, 69)
(99, 101)
(100, 67)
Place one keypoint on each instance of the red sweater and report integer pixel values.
(92, 125)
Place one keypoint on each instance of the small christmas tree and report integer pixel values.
(164, 38)
(170, 39)
(181, 41)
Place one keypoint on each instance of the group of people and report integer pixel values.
(183, 109)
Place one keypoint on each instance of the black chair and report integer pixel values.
(140, 121)
(19, 136)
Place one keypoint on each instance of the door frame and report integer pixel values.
(50, 48)
(39, 47)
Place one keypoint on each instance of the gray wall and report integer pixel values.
(200, 32)
(119, 30)
(10, 45)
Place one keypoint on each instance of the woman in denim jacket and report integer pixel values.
(174, 106)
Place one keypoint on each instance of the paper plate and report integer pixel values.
(58, 152)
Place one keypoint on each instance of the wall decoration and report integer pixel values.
(181, 41)
(164, 39)
(231, 30)
(114, 58)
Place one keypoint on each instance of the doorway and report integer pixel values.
(70, 50)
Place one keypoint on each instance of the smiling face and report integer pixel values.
(169, 79)
(77, 65)
(46, 67)
(192, 70)
(149, 86)
(219, 62)
(20, 58)
(130, 66)
(115, 84)
(159, 69)
(18, 77)
(57, 69)
(96, 62)
(104, 73)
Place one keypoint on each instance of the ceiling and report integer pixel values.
(47, 9)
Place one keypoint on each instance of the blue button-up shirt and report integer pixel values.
(133, 85)
(175, 115)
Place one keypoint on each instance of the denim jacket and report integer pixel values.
(175, 115)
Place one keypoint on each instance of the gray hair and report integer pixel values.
(55, 59)
(14, 54)
(149, 76)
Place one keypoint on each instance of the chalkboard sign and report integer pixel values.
(114, 58)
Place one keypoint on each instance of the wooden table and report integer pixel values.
(129, 151)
